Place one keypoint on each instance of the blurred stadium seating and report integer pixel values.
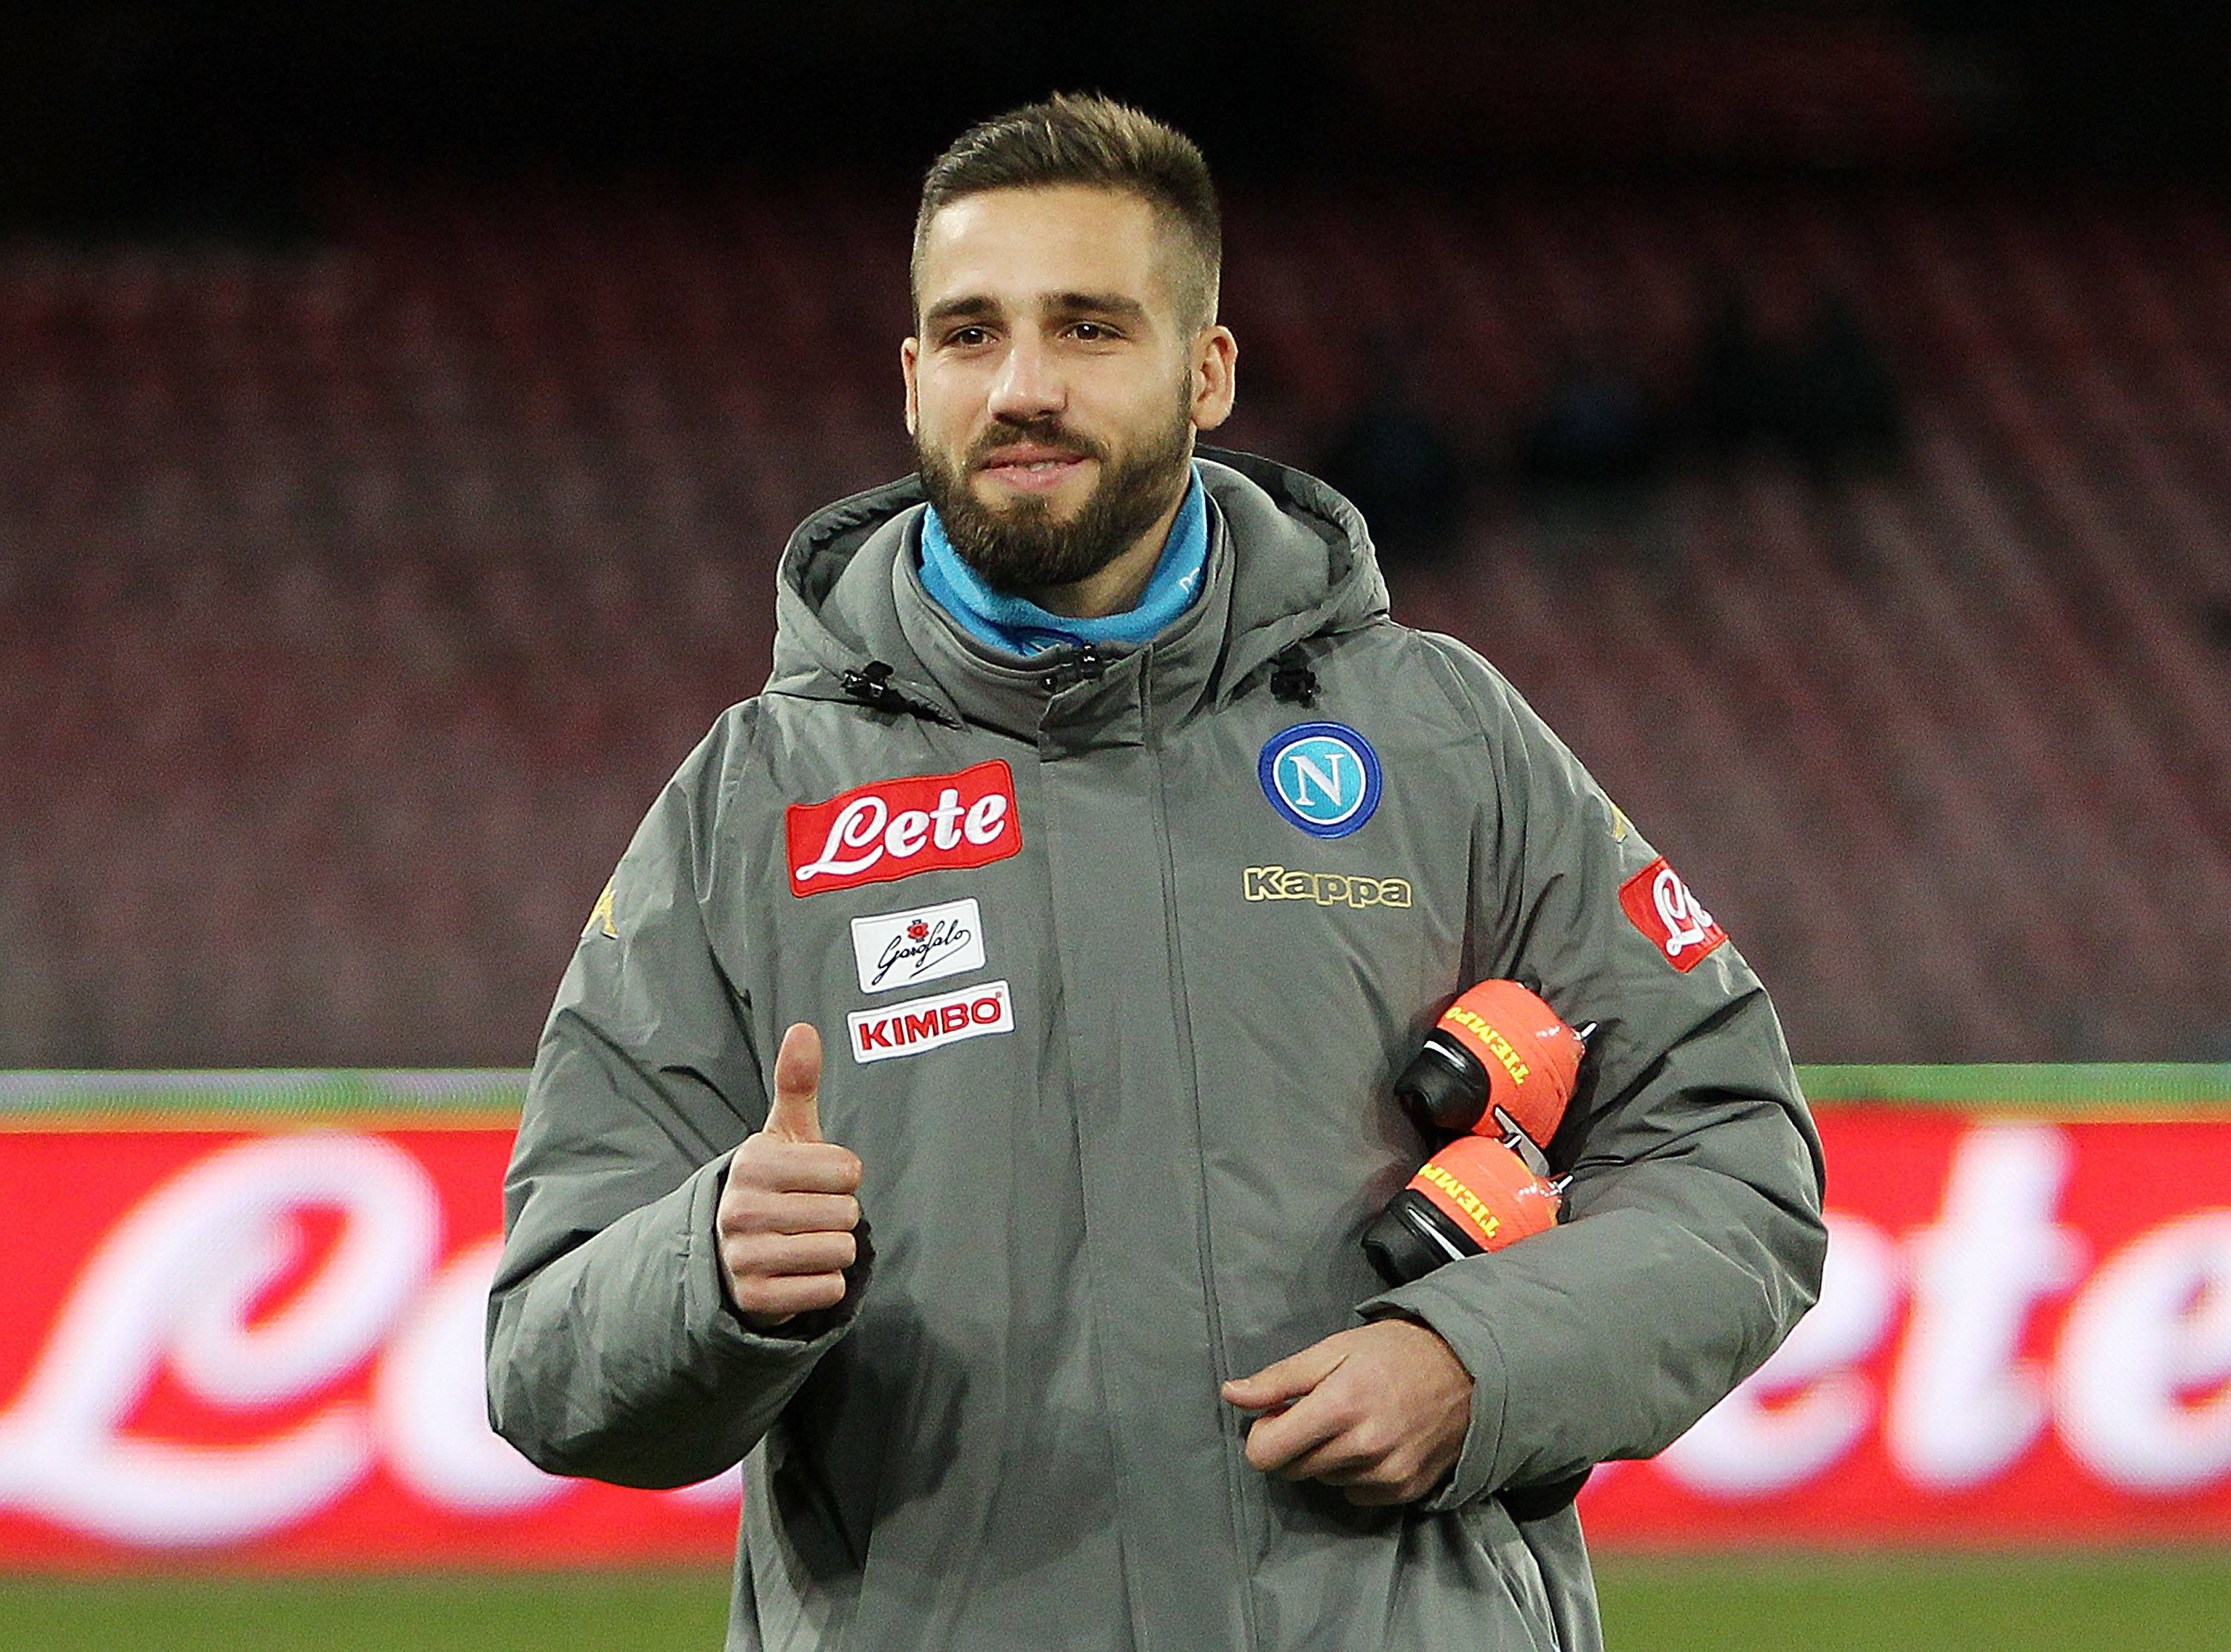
(358, 600)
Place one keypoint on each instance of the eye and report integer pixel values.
(1092, 331)
(967, 338)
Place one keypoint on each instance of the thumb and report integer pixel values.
(796, 1114)
(1286, 1381)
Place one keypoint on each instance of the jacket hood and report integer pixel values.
(1290, 560)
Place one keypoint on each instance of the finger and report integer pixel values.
(778, 1255)
(770, 1165)
(1287, 1380)
(770, 1301)
(1342, 1461)
(796, 1114)
(1277, 1440)
(790, 1212)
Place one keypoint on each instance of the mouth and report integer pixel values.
(1033, 468)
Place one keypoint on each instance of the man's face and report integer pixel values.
(1054, 388)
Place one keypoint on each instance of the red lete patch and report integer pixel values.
(1662, 908)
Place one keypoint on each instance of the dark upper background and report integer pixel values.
(230, 117)
(1819, 409)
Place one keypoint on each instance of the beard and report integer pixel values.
(1024, 547)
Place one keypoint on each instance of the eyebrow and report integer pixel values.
(959, 309)
(1109, 303)
(977, 307)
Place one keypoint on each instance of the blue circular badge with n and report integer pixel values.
(1323, 776)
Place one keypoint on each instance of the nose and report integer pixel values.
(1029, 384)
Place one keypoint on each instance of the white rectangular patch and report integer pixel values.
(924, 1023)
(902, 948)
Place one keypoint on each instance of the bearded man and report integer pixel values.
(1099, 811)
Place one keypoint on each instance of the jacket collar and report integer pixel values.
(1288, 558)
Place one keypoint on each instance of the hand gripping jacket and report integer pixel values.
(1129, 1152)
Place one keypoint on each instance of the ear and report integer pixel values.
(1215, 376)
(909, 351)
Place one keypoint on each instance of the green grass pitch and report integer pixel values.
(2168, 1601)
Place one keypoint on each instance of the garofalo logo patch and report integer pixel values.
(1325, 888)
(897, 949)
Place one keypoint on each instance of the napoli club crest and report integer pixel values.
(1323, 776)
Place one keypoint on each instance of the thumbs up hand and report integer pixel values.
(787, 1214)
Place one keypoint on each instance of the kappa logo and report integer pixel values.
(600, 917)
(918, 1024)
(894, 829)
(1325, 888)
(899, 949)
(1323, 776)
(1660, 905)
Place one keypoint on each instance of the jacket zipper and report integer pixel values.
(1084, 665)
(1237, 1503)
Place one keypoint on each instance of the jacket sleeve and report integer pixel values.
(1694, 1240)
(613, 1351)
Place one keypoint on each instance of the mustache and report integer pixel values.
(1046, 432)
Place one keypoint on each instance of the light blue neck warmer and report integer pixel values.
(1020, 626)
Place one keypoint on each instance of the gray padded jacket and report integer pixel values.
(1130, 1116)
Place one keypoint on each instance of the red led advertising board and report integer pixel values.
(2024, 1336)
(264, 1351)
(259, 1349)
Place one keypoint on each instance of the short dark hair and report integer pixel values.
(1079, 139)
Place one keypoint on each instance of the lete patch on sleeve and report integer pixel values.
(1663, 909)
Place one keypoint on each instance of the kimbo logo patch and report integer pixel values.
(924, 1023)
